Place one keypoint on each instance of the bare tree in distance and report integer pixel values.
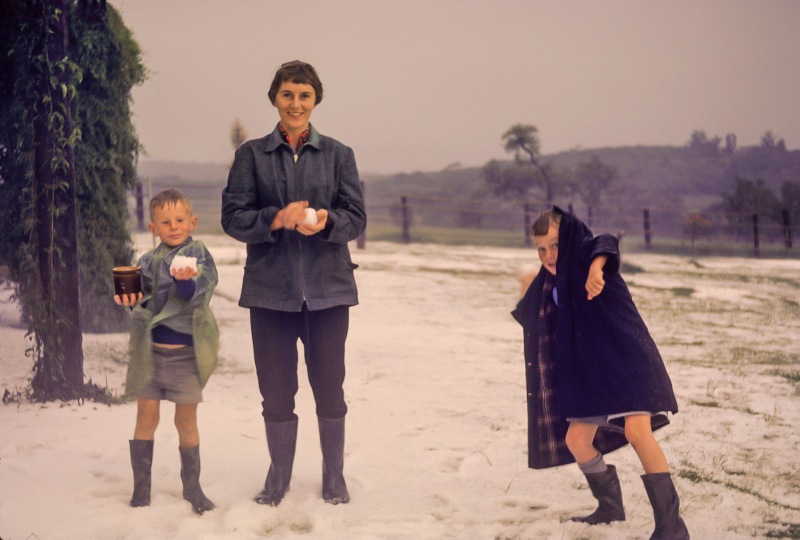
(592, 179)
(238, 134)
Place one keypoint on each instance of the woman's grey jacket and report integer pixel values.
(284, 268)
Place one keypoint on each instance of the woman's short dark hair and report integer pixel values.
(299, 73)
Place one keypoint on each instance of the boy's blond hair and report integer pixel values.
(541, 226)
(169, 197)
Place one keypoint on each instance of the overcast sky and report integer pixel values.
(422, 84)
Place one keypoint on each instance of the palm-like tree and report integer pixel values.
(524, 138)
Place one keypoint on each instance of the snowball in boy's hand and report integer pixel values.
(179, 262)
(311, 217)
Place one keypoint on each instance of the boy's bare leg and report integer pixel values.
(640, 434)
(147, 417)
(579, 439)
(186, 422)
(603, 480)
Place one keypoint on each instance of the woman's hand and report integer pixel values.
(290, 217)
(308, 230)
(128, 300)
(595, 281)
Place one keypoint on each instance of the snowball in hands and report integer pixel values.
(311, 217)
(179, 262)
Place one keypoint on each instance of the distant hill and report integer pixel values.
(675, 177)
(671, 179)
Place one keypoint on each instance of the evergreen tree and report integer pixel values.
(48, 175)
(105, 157)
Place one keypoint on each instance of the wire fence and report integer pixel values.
(658, 228)
(412, 219)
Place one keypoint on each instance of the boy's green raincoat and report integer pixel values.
(161, 305)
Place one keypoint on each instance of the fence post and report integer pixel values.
(406, 225)
(361, 241)
(527, 220)
(787, 229)
(647, 244)
(756, 249)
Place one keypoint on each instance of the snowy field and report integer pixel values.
(436, 434)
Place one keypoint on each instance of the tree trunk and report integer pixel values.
(59, 372)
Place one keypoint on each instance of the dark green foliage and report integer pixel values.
(790, 201)
(110, 60)
(750, 197)
(591, 180)
(52, 182)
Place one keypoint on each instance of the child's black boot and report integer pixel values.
(331, 438)
(142, 463)
(190, 475)
(281, 443)
(666, 507)
(606, 489)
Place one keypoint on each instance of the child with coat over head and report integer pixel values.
(174, 342)
(595, 379)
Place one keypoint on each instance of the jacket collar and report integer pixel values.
(275, 140)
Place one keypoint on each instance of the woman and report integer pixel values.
(295, 198)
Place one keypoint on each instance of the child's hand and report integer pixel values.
(595, 281)
(182, 274)
(128, 300)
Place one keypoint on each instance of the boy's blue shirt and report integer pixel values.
(162, 305)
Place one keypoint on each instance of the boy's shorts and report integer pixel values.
(613, 422)
(175, 377)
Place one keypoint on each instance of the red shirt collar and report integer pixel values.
(303, 137)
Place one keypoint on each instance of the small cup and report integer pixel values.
(127, 279)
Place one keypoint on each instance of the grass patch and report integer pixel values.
(683, 292)
(448, 236)
(791, 376)
(463, 273)
(743, 355)
(389, 232)
(696, 476)
(630, 268)
(788, 530)
(712, 404)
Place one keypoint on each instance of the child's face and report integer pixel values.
(547, 247)
(173, 224)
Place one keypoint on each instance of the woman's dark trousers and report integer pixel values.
(323, 334)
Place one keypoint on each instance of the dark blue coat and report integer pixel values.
(284, 268)
(605, 360)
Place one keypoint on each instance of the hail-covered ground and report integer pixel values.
(436, 433)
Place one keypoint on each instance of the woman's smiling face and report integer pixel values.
(294, 102)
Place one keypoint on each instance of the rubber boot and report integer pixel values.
(281, 443)
(142, 463)
(666, 507)
(331, 438)
(190, 475)
(606, 489)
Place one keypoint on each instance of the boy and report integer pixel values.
(594, 376)
(174, 342)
